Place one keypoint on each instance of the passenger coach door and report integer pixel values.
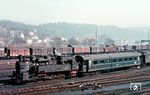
(86, 65)
(80, 62)
(80, 66)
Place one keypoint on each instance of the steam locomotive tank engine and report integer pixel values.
(21, 74)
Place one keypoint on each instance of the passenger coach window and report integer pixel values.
(130, 58)
(102, 61)
(114, 60)
(95, 62)
(120, 59)
(125, 59)
(107, 61)
(135, 58)
(85, 62)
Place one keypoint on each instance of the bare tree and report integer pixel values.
(73, 41)
(106, 40)
(57, 41)
(89, 42)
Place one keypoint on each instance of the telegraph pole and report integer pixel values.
(148, 38)
(96, 35)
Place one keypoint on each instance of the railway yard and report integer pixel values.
(94, 83)
(110, 73)
(74, 47)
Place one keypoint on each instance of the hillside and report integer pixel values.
(69, 30)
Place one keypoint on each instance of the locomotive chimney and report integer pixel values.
(20, 58)
(5, 51)
(72, 50)
(31, 51)
(90, 50)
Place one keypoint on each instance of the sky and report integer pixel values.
(124, 13)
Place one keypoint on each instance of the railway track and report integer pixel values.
(72, 85)
(104, 76)
(106, 80)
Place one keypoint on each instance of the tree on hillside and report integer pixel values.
(105, 40)
(73, 41)
(57, 41)
(89, 42)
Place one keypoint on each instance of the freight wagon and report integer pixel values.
(14, 52)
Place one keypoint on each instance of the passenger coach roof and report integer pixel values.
(110, 55)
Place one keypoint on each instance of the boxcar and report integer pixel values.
(81, 50)
(109, 49)
(97, 49)
(14, 52)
